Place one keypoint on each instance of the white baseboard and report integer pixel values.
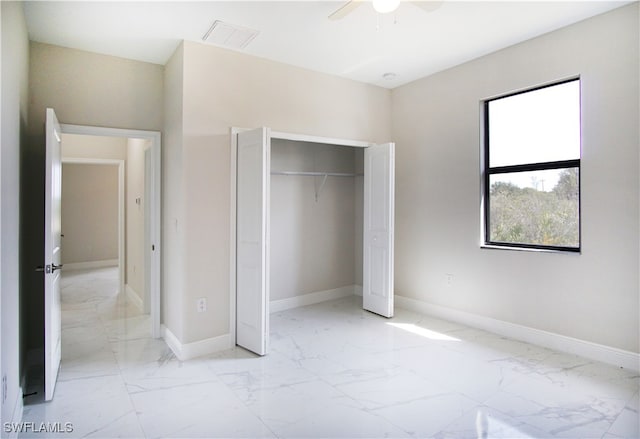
(617, 357)
(311, 298)
(89, 265)
(134, 298)
(187, 351)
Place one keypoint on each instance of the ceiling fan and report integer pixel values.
(382, 6)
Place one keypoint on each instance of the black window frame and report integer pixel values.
(488, 171)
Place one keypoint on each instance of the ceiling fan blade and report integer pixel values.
(428, 5)
(345, 9)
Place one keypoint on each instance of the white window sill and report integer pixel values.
(525, 249)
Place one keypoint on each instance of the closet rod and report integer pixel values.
(316, 174)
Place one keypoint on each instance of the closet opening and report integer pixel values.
(314, 221)
(316, 208)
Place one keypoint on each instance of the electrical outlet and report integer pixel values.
(449, 278)
(202, 304)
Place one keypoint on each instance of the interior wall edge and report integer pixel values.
(188, 351)
(172, 282)
(134, 298)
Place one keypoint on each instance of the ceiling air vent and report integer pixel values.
(229, 35)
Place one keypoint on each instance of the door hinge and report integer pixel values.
(4, 388)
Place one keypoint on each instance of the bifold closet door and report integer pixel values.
(252, 265)
(379, 176)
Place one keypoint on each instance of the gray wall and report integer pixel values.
(13, 125)
(313, 243)
(436, 125)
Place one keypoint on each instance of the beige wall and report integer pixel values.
(313, 243)
(592, 296)
(93, 147)
(222, 89)
(134, 221)
(13, 124)
(90, 89)
(89, 212)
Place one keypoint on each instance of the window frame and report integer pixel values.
(488, 171)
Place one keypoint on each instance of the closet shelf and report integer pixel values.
(318, 185)
(316, 174)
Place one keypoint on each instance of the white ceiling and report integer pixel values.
(363, 46)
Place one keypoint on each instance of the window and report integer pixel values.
(532, 168)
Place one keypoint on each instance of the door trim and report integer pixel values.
(155, 219)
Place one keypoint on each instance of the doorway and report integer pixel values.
(43, 352)
(141, 194)
(42, 367)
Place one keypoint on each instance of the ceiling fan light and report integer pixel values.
(385, 6)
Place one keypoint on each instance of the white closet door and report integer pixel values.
(252, 283)
(379, 176)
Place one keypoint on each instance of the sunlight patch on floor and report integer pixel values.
(423, 332)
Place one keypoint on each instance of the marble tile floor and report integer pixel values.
(333, 371)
